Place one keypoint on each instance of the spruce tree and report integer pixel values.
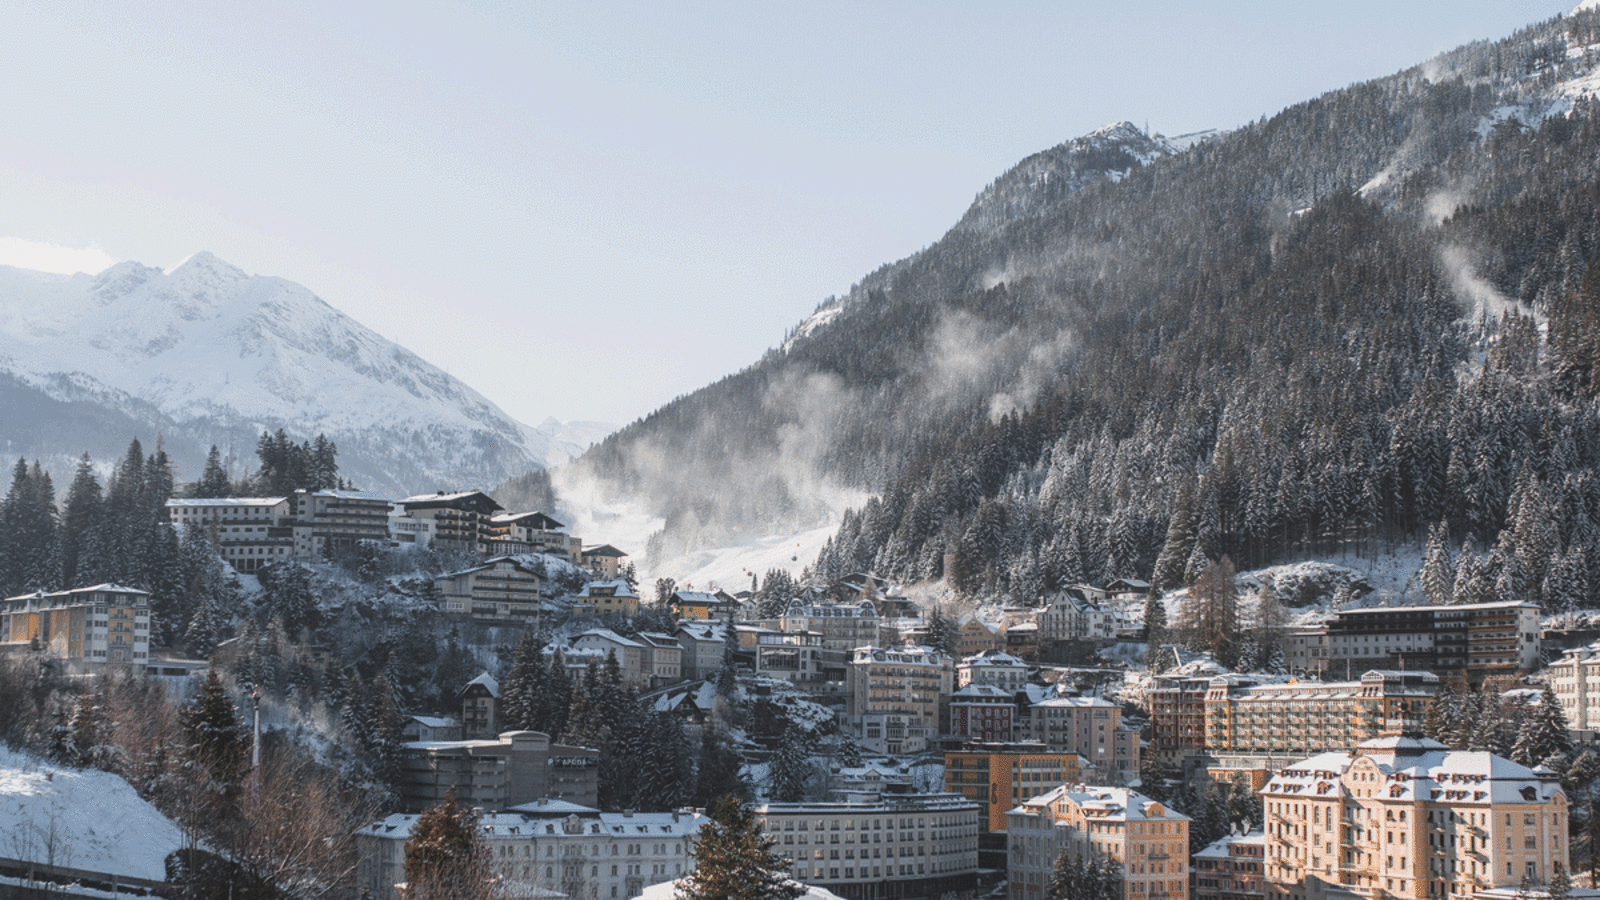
(213, 478)
(1544, 733)
(445, 856)
(735, 859)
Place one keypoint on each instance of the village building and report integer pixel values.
(602, 559)
(1477, 639)
(106, 624)
(995, 668)
(879, 846)
(703, 645)
(459, 519)
(1231, 868)
(630, 654)
(1148, 841)
(1092, 728)
(842, 626)
(611, 597)
(480, 707)
(1406, 817)
(1002, 775)
(532, 532)
(247, 531)
(975, 637)
(493, 774)
(897, 700)
(1575, 679)
(983, 712)
(550, 848)
(500, 590)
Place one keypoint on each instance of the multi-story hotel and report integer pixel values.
(1406, 817)
(517, 767)
(498, 590)
(897, 698)
(1092, 728)
(843, 626)
(104, 624)
(550, 848)
(1178, 715)
(981, 712)
(879, 846)
(1255, 728)
(1575, 678)
(249, 531)
(1231, 868)
(458, 520)
(1000, 776)
(1149, 842)
(532, 532)
(1477, 639)
(993, 667)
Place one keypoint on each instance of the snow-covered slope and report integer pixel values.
(204, 353)
(80, 820)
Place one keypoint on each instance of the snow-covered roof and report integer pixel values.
(208, 502)
(1058, 702)
(533, 519)
(435, 721)
(607, 635)
(668, 890)
(1218, 849)
(339, 494)
(1104, 803)
(549, 806)
(981, 692)
(604, 550)
(608, 587)
(1420, 769)
(488, 681)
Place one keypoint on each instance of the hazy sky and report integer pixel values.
(586, 209)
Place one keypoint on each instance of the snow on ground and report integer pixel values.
(730, 568)
(667, 890)
(80, 819)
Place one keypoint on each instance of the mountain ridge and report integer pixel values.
(204, 353)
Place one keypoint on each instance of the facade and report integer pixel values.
(1231, 868)
(981, 712)
(612, 597)
(795, 656)
(843, 626)
(897, 699)
(1477, 639)
(1072, 616)
(1575, 678)
(1178, 715)
(975, 636)
(604, 559)
(459, 520)
(663, 658)
(550, 846)
(1299, 718)
(1148, 841)
(480, 708)
(699, 606)
(500, 590)
(1406, 817)
(994, 668)
(1092, 728)
(879, 846)
(629, 652)
(103, 624)
(533, 532)
(702, 644)
(332, 521)
(248, 531)
(517, 767)
(1000, 776)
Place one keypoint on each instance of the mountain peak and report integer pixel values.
(207, 264)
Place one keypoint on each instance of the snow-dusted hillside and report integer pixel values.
(80, 820)
(203, 353)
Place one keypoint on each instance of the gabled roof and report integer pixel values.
(610, 587)
(227, 501)
(609, 636)
(475, 500)
(603, 551)
(488, 681)
(533, 519)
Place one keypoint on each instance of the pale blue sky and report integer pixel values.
(586, 209)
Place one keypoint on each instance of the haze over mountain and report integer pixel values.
(1364, 318)
(203, 353)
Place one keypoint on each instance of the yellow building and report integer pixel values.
(106, 623)
(1300, 718)
(1148, 841)
(1000, 776)
(1405, 818)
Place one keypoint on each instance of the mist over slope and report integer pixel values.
(1329, 330)
(204, 354)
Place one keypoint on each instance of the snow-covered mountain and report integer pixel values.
(203, 353)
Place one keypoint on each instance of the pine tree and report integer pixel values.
(445, 856)
(735, 859)
(213, 478)
(77, 546)
(1544, 733)
(215, 755)
(790, 769)
(1437, 576)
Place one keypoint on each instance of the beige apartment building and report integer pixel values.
(1148, 841)
(103, 624)
(896, 698)
(1575, 678)
(1092, 728)
(879, 846)
(1405, 818)
(1298, 718)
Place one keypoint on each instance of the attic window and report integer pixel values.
(1530, 793)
